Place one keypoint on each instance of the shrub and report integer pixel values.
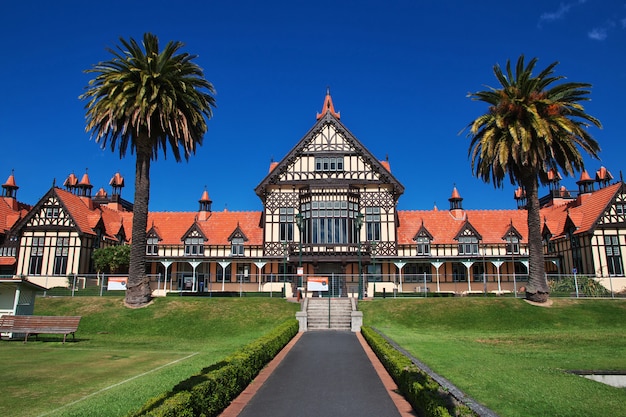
(423, 393)
(587, 286)
(211, 391)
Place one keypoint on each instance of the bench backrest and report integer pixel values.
(25, 324)
(6, 323)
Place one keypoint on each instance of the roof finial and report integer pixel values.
(328, 106)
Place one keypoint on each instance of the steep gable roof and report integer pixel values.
(83, 215)
(582, 213)
(329, 118)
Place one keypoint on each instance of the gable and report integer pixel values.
(194, 232)
(50, 212)
(237, 234)
(615, 213)
(468, 230)
(423, 232)
(329, 153)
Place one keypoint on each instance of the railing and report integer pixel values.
(341, 285)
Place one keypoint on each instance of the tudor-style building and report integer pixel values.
(329, 210)
(59, 234)
(327, 203)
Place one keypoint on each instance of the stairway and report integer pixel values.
(340, 313)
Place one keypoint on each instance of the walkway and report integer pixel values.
(322, 373)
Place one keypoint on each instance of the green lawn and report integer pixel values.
(511, 356)
(122, 357)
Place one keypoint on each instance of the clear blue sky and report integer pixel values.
(399, 73)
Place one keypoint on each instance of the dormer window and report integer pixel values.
(152, 247)
(237, 246)
(194, 246)
(468, 245)
(512, 245)
(423, 245)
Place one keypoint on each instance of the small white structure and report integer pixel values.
(17, 296)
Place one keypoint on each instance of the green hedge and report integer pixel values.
(211, 391)
(424, 394)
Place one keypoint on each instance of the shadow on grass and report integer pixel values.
(33, 338)
(183, 386)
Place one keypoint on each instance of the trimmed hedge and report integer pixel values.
(424, 394)
(211, 391)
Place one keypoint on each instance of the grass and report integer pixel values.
(123, 357)
(511, 356)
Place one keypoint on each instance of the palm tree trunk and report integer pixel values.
(138, 292)
(537, 290)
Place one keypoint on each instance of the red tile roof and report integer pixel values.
(9, 215)
(172, 226)
(492, 225)
(584, 212)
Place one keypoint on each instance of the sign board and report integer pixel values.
(317, 284)
(300, 271)
(117, 283)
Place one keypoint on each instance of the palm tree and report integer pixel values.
(147, 101)
(531, 127)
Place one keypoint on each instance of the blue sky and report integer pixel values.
(399, 72)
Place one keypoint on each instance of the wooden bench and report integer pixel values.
(36, 325)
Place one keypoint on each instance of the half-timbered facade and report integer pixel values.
(329, 210)
(59, 234)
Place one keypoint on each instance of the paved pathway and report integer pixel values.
(322, 373)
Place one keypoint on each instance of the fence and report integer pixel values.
(370, 285)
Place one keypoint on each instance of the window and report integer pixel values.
(521, 272)
(152, 247)
(372, 223)
(468, 245)
(417, 273)
(423, 245)
(194, 246)
(478, 272)
(286, 224)
(577, 261)
(60, 256)
(36, 256)
(375, 272)
(613, 255)
(329, 221)
(620, 208)
(52, 212)
(549, 243)
(459, 272)
(512, 244)
(329, 163)
(237, 246)
(286, 272)
(243, 273)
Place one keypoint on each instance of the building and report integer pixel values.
(329, 210)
